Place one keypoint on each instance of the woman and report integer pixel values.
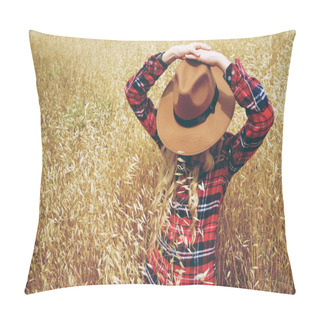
(199, 156)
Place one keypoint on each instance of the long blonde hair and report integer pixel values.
(170, 176)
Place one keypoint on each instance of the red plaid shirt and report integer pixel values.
(176, 263)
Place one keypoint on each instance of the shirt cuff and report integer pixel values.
(228, 76)
(159, 57)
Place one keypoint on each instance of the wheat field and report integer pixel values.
(99, 168)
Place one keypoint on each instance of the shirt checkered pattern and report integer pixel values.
(175, 263)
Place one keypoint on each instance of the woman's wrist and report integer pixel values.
(223, 63)
(168, 57)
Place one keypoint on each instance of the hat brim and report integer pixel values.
(194, 140)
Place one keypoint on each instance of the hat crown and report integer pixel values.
(193, 89)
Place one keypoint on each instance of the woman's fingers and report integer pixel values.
(205, 46)
(191, 56)
(192, 50)
(195, 52)
(196, 47)
(201, 45)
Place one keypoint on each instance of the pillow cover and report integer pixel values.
(106, 174)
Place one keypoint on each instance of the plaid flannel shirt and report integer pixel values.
(175, 263)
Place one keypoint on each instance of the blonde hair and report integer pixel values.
(170, 176)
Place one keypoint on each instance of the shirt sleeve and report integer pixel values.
(136, 90)
(250, 95)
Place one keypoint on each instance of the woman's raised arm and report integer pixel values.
(136, 90)
(250, 95)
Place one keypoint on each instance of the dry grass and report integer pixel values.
(100, 167)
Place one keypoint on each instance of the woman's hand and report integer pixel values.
(180, 52)
(212, 58)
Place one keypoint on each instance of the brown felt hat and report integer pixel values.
(195, 109)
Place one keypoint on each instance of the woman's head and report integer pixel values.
(176, 170)
(195, 109)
